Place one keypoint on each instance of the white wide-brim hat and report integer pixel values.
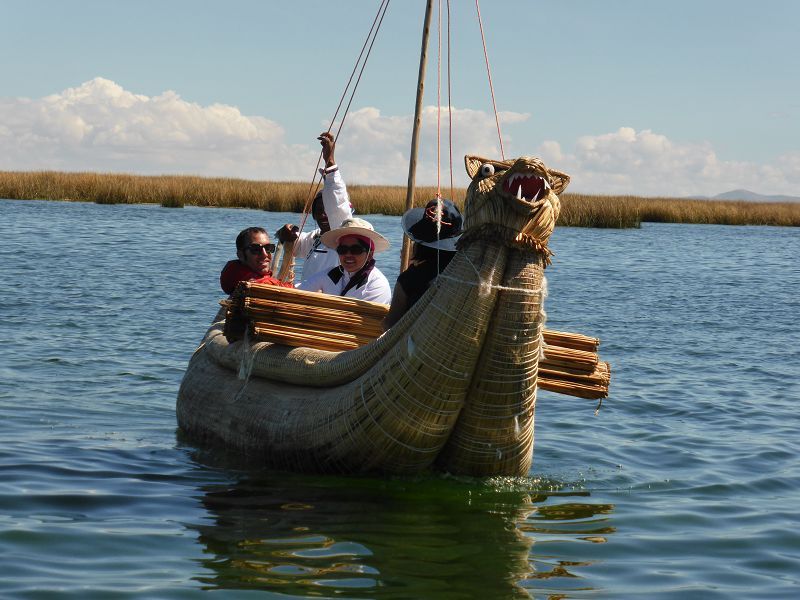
(355, 226)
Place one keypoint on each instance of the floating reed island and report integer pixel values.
(578, 210)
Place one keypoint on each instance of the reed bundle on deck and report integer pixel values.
(269, 313)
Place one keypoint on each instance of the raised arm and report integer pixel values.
(335, 198)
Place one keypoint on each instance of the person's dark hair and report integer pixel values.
(317, 204)
(244, 235)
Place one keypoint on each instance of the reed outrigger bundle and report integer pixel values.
(452, 386)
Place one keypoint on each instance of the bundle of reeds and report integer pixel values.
(571, 365)
(592, 385)
(269, 313)
(292, 317)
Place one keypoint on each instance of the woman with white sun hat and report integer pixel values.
(356, 242)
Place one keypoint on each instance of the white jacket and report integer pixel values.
(318, 257)
(375, 289)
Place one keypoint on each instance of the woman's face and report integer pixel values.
(351, 262)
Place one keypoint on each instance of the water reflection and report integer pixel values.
(304, 536)
(556, 525)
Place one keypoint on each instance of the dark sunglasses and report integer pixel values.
(256, 248)
(355, 249)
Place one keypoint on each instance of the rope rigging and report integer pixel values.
(489, 74)
(449, 96)
(359, 68)
(367, 46)
(439, 106)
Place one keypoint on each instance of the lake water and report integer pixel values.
(686, 484)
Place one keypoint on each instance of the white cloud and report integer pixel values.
(376, 148)
(99, 126)
(650, 164)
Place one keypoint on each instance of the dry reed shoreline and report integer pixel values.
(578, 210)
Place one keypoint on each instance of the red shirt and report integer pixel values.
(235, 271)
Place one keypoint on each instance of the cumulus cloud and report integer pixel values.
(99, 126)
(376, 148)
(650, 164)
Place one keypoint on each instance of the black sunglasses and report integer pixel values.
(256, 248)
(355, 249)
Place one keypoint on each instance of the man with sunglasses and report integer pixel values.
(254, 262)
(329, 209)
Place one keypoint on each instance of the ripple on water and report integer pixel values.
(683, 485)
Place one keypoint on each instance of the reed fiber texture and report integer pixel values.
(300, 318)
(494, 432)
(394, 417)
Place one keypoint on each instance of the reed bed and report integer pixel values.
(718, 212)
(166, 190)
(608, 212)
(578, 210)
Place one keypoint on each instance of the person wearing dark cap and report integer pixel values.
(434, 229)
(329, 209)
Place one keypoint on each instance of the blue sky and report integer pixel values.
(627, 96)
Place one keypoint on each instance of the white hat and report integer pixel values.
(355, 226)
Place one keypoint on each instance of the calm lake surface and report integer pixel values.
(686, 484)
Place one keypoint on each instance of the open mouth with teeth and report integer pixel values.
(527, 187)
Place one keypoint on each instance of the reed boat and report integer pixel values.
(451, 387)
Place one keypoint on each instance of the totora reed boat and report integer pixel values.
(451, 387)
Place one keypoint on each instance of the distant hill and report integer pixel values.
(749, 196)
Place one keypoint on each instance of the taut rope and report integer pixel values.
(367, 46)
(491, 86)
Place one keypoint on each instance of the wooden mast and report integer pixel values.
(412, 164)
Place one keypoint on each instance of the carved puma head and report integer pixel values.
(519, 195)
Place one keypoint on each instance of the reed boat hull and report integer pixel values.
(388, 407)
(452, 386)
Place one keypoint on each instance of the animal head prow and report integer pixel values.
(515, 201)
(477, 169)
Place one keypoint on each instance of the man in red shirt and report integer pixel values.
(254, 252)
